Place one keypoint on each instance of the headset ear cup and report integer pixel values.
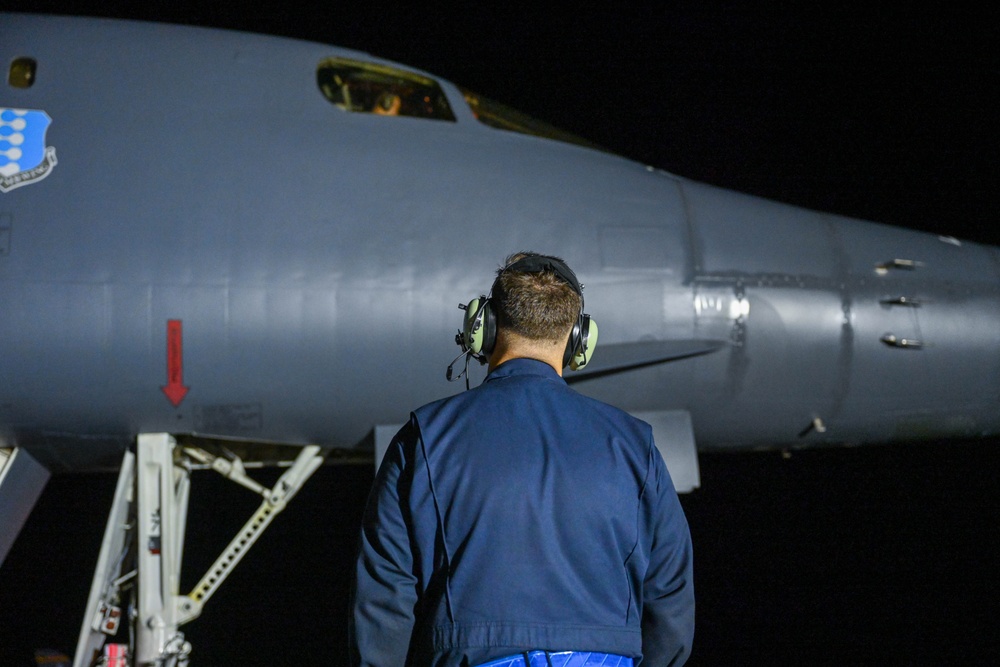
(472, 326)
(479, 327)
(489, 328)
(572, 343)
(584, 350)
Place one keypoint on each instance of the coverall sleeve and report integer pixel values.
(668, 589)
(385, 590)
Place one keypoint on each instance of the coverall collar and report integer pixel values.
(524, 366)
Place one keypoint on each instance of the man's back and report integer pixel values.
(531, 517)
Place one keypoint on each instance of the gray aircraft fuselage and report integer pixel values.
(217, 247)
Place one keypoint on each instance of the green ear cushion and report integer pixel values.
(583, 357)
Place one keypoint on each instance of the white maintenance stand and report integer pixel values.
(140, 560)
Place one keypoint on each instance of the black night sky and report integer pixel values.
(882, 555)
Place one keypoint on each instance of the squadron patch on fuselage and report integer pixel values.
(24, 157)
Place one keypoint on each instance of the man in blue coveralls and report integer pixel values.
(521, 524)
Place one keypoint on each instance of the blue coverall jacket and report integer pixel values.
(519, 516)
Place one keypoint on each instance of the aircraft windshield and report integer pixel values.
(362, 87)
(503, 117)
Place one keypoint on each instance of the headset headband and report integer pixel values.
(539, 263)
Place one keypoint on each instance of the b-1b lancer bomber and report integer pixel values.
(218, 246)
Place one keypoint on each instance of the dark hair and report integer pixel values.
(535, 304)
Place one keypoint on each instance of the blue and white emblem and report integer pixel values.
(24, 157)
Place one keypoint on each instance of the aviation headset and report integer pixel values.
(479, 332)
(386, 101)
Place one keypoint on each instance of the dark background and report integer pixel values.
(881, 555)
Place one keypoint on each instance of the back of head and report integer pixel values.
(536, 297)
(535, 302)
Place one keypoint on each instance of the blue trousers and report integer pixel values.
(560, 659)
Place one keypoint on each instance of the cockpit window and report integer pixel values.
(363, 87)
(22, 72)
(503, 117)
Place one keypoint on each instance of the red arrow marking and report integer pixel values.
(175, 389)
